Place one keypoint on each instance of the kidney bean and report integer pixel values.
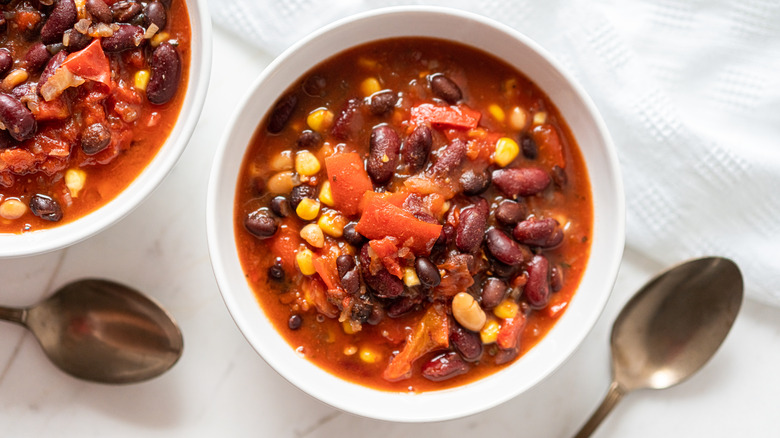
(468, 343)
(99, 11)
(474, 183)
(383, 154)
(36, 57)
(295, 322)
(510, 212)
(450, 157)
(45, 208)
(95, 138)
(559, 176)
(3, 23)
(50, 68)
(556, 278)
(125, 11)
(544, 233)
(505, 249)
(300, 192)
(493, 292)
(528, 146)
(506, 355)
(349, 121)
(446, 235)
(315, 86)
(502, 270)
(352, 236)
(308, 139)
(166, 3)
(76, 40)
(427, 272)
(62, 18)
(445, 88)
(260, 224)
(382, 103)
(383, 284)
(6, 141)
(155, 14)
(444, 366)
(471, 227)
(126, 37)
(166, 74)
(281, 206)
(526, 181)
(537, 289)
(403, 305)
(18, 120)
(281, 113)
(6, 61)
(417, 147)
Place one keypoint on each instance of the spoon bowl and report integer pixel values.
(102, 331)
(671, 328)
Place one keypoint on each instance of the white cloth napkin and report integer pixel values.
(690, 90)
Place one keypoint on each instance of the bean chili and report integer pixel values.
(89, 91)
(413, 215)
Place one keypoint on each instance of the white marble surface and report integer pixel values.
(220, 387)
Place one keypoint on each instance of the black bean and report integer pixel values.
(474, 183)
(493, 292)
(427, 272)
(505, 249)
(510, 212)
(537, 289)
(6, 61)
(502, 270)
(383, 102)
(126, 37)
(276, 272)
(444, 366)
(417, 147)
(402, 306)
(468, 343)
(526, 181)
(350, 281)
(309, 139)
(45, 208)
(281, 113)
(76, 40)
(315, 86)
(300, 192)
(544, 233)
(165, 75)
(352, 236)
(18, 120)
(559, 176)
(260, 224)
(344, 264)
(528, 146)
(361, 310)
(99, 11)
(383, 154)
(62, 18)
(295, 322)
(281, 206)
(125, 11)
(471, 227)
(445, 88)
(95, 138)
(36, 57)
(155, 14)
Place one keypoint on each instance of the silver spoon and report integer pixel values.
(103, 331)
(670, 329)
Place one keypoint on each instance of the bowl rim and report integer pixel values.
(51, 239)
(407, 407)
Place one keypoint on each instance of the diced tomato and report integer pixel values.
(284, 244)
(315, 291)
(550, 148)
(510, 332)
(55, 109)
(90, 63)
(387, 251)
(442, 117)
(430, 333)
(381, 219)
(348, 181)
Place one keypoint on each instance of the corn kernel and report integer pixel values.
(319, 120)
(489, 332)
(540, 118)
(506, 309)
(312, 234)
(15, 78)
(349, 350)
(12, 208)
(367, 63)
(141, 79)
(306, 163)
(160, 38)
(370, 86)
(351, 327)
(308, 209)
(368, 356)
(282, 182)
(74, 181)
(410, 277)
(305, 263)
(497, 112)
(282, 161)
(518, 118)
(506, 151)
(332, 224)
(326, 195)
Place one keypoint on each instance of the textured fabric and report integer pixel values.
(690, 90)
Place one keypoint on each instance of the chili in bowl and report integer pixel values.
(411, 224)
(98, 99)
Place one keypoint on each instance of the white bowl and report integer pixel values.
(41, 241)
(587, 127)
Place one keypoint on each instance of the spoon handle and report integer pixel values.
(13, 315)
(614, 395)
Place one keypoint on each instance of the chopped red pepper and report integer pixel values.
(348, 181)
(510, 332)
(284, 244)
(90, 63)
(381, 219)
(453, 116)
(431, 333)
(549, 143)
